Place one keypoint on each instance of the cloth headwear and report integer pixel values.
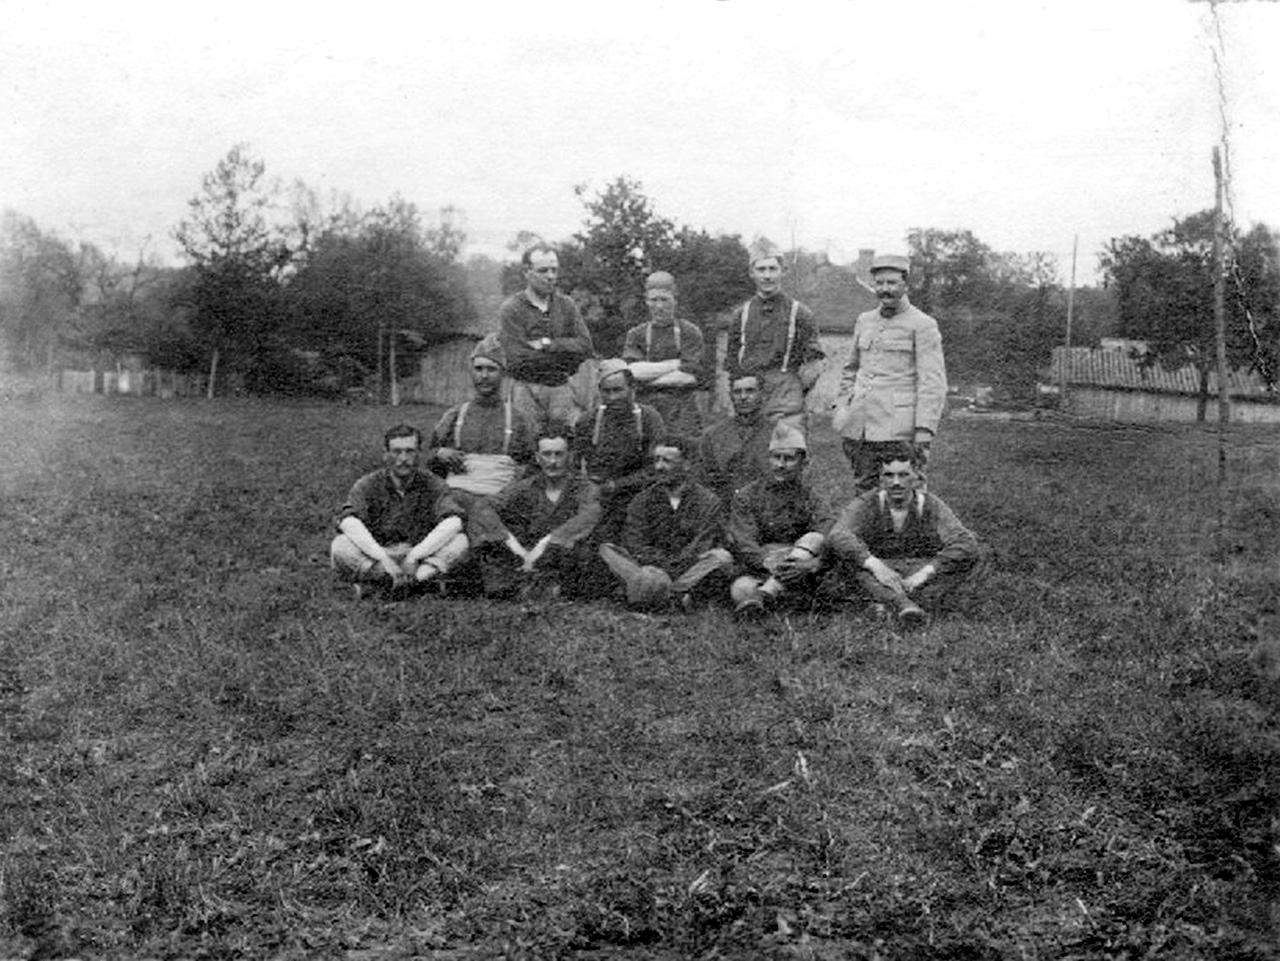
(891, 262)
(760, 248)
(660, 280)
(614, 365)
(490, 348)
(787, 437)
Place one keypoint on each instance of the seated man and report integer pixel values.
(735, 452)
(483, 445)
(673, 540)
(400, 526)
(907, 548)
(544, 524)
(615, 446)
(778, 528)
(665, 356)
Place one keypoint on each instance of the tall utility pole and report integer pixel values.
(1219, 292)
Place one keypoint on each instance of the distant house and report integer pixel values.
(1111, 384)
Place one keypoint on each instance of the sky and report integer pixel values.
(834, 124)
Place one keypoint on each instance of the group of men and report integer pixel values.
(546, 483)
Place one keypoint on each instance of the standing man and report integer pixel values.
(894, 386)
(544, 526)
(546, 342)
(775, 338)
(906, 547)
(665, 358)
(400, 526)
(615, 446)
(778, 529)
(735, 452)
(483, 445)
(673, 541)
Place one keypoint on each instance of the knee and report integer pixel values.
(744, 590)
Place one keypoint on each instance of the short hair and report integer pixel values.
(555, 430)
(899, 451)
(685, 444)
(401, 430)
(526, 258)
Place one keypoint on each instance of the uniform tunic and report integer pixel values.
(895, 381)
(767, 513)
(734, 453)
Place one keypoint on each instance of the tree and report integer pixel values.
(41, 290)
(623, 239)
(375, 280)
(1164, 295)
(239, 257)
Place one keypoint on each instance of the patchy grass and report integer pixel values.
(208, 751)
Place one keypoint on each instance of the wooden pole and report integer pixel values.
(391, 368)
(1220, 325)
(1071, 308)
(1219, 296)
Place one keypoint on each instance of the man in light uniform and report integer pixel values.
(400, 526)
(907, 549)
(778, 528)
(774, 337)
(665, 356)
(673, 541)
(546, 343)
(894, 386)
(735, 452)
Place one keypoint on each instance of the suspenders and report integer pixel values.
(635, 412)
(506, 426)
(791, 333)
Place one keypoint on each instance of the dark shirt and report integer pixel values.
(767, 512)
(611, 450)
(766, 339)
(931, 530)
(401, 517)
(657, 535)
(529, 514)
(522, 322)
(734, 453)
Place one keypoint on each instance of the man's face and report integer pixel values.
(615, 390)
(890, 286)
(745, 394)
(669, 465)
(544, 268)
(401, 456)
(898, 479)
(767, 275)
(553, 456)
(486, 377)
(786, 465)
(662, 305)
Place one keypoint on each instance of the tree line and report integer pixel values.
(289, 293)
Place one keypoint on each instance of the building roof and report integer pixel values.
(1089, 367)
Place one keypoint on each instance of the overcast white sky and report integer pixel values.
(843, 123)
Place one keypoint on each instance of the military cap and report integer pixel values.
(891, 262)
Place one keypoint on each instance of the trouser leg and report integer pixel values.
(352, 564)
(712, 562)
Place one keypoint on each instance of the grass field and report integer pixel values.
(207, 750)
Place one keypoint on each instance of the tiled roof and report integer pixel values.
(1089, 367)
